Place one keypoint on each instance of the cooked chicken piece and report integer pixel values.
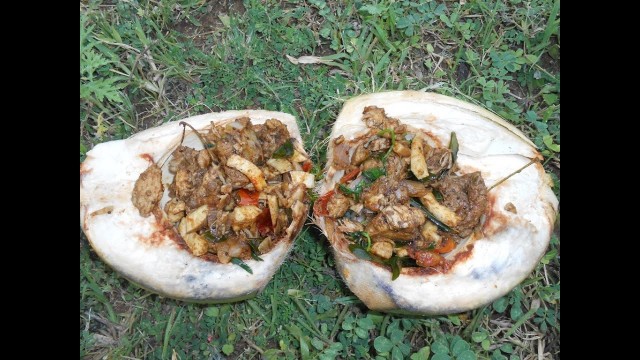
(383, 249)
(341, 153)
(396, 222)
(360, 154)
(348, 226)
(237, 137)
(430, 234)
(414, 188)
(338, 205)
(438, 159)
(371, 163)
(148, 190)
(236, 178)
(272, 135)
(249, 169)
(197, 244)
(466, 195)
(243, 216)
(234, 247)
(196, 220)
(302, 177)
(203, 159)
(219, 222)
(175, 210)
(396, 166)
(384, 192)
(378, 144)
(183, 157)
(376, 117)
(402, 148)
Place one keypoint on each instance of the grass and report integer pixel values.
(143, 63)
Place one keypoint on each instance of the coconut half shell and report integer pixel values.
(148, 251)
(516, 229)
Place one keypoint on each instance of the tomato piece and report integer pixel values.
(248, 197)
(307, 165)
(447, 245)
(263, 222)
(320, 206)
(428, 258)
(350, 176)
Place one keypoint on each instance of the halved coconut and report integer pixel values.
(516, 229)
(148, 250)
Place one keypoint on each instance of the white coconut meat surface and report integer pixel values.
(147, 250)
(516, 229)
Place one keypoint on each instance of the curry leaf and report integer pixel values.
(242, 264)
(284, 151)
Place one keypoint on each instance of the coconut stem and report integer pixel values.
(510, 175)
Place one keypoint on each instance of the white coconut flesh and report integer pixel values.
(143, 249)
(510, 244)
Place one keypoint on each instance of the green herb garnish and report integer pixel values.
(438, 195)
(396, 266)
(284, 151)
(254, 250)
(242, 264)
(360, 237)
(374, 173)
(209, 236)
(355, 192)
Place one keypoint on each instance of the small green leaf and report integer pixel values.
(507, 348)
(549, 256)
(466, 355)
(382, 344)
(486, 343)
(532, 59)
(548, 141)
(459, 347)
(212, 311)
(396, 336)
(501, 304)
(478, 336)
(496, 355)
(396, 354)
(225, 19)
(361, 333)
(422, 354)
(227, 349)
(440, 348)
(550, 99)
(441, 356)
(242, 264)
(284, 151)
(317, 343)
(455, 320)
